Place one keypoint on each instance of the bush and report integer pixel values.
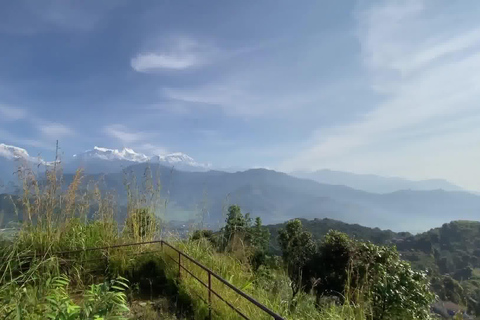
(49, 298)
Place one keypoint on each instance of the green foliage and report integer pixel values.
(331, 264)
(49, 298)
(374, 283)
(396, 291)
(240, 235)
(236, 226)
(298, 249)
(141, 225)
(199, 234)
(357, 272)
(448, 289)
(259, 236)
(320, 227)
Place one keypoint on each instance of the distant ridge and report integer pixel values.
(375, 183)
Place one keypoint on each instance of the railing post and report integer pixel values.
(209, 295)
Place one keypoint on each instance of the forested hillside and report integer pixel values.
(450, 254)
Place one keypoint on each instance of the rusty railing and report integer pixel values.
(183, 267)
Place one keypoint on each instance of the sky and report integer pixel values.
(384, 87)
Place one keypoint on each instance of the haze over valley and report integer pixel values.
(194, 189)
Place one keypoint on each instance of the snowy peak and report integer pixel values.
(178, 160)
(174, 158)
(125, 154)
(12, 152)
(105, 160)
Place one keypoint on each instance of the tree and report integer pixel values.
(332, 261)
(236, 224)
(258, 238)
(396, 291)
(362, 270)
(239, 232)
(298, 248)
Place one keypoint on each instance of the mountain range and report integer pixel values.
(375, 183)
(104, 160)
(274, 196)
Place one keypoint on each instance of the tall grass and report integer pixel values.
(82, 215)
(270, 286)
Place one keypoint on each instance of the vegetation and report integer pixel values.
(344, 268)
(339, 277)
(448, 254)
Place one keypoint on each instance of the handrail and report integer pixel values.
(228, 284)
(210, 273)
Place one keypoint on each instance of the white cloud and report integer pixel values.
(32, 17)
(10, 138)
(425, 65)
(55, 130)
(145, 62)
(123, 134)
(9, 113)
(174, 54)
(138, 140)
(152, 149)
(242, 98)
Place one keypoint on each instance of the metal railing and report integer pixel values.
(183, 267)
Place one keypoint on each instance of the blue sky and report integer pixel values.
(385, 87)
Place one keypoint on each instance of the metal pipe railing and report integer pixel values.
(181, 266)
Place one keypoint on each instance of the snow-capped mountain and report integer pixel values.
(104, 160)
(112, 154)
(11, 158)
(181, 161)
(15, 153)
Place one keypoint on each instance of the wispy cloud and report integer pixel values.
(238, 97)
(55, 130)
(31, 17)
(9, 113)
(151, 149)
(25, 142)
(175, 53)
(138, 140)
(426, 70)
(146, 62)
(123, 134)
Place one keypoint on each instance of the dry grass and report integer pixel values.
(83, 215)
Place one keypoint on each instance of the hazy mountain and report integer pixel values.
(374, 183)
(104, 160)
(277, 197)
(272, 195)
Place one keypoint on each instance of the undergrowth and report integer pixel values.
(35, 283)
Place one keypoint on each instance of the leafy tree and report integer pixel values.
(298, 248)
(254, 239)
(259, 238)
(236, 225)
(333, 258)
(351, 269)
(396, 291)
